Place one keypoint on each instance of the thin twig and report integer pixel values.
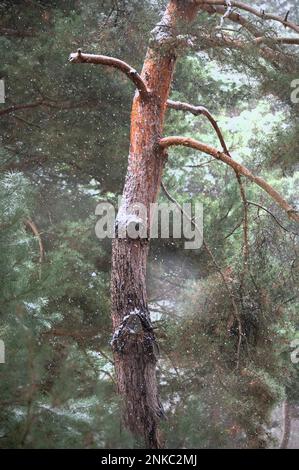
(272, 215)
(226, 14)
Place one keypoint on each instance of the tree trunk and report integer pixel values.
(134, 346)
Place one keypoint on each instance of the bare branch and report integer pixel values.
(208, 149)
(233, 230)
(258, 13)
(197, 110)
(36, 233)
(78, 57)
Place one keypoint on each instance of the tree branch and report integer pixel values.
(228, 11)
(18, 107)
(78, 58)
(50, 104)
(234, 17)
(259, 206)
(36, 233)
(267, 51)
(208, 149)
(197, 110)
(258, 13)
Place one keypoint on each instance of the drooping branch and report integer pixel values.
(79, 57)
(29, 223)
(208, 149)
(248, 8)
(197, 110)
(18, 107)
(245, 231)
(227, 12)
(236, 313)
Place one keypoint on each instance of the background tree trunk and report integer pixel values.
(287, 424)
(134, 340)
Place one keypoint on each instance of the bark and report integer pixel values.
(134, 344)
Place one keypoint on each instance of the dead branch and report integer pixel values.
(258, 13)
(78, 58)
(208, 149)
(36, 233)
(197, 110)
(230, 41)
(268, 52)
(276, 40)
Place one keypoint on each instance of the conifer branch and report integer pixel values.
(249, 9)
